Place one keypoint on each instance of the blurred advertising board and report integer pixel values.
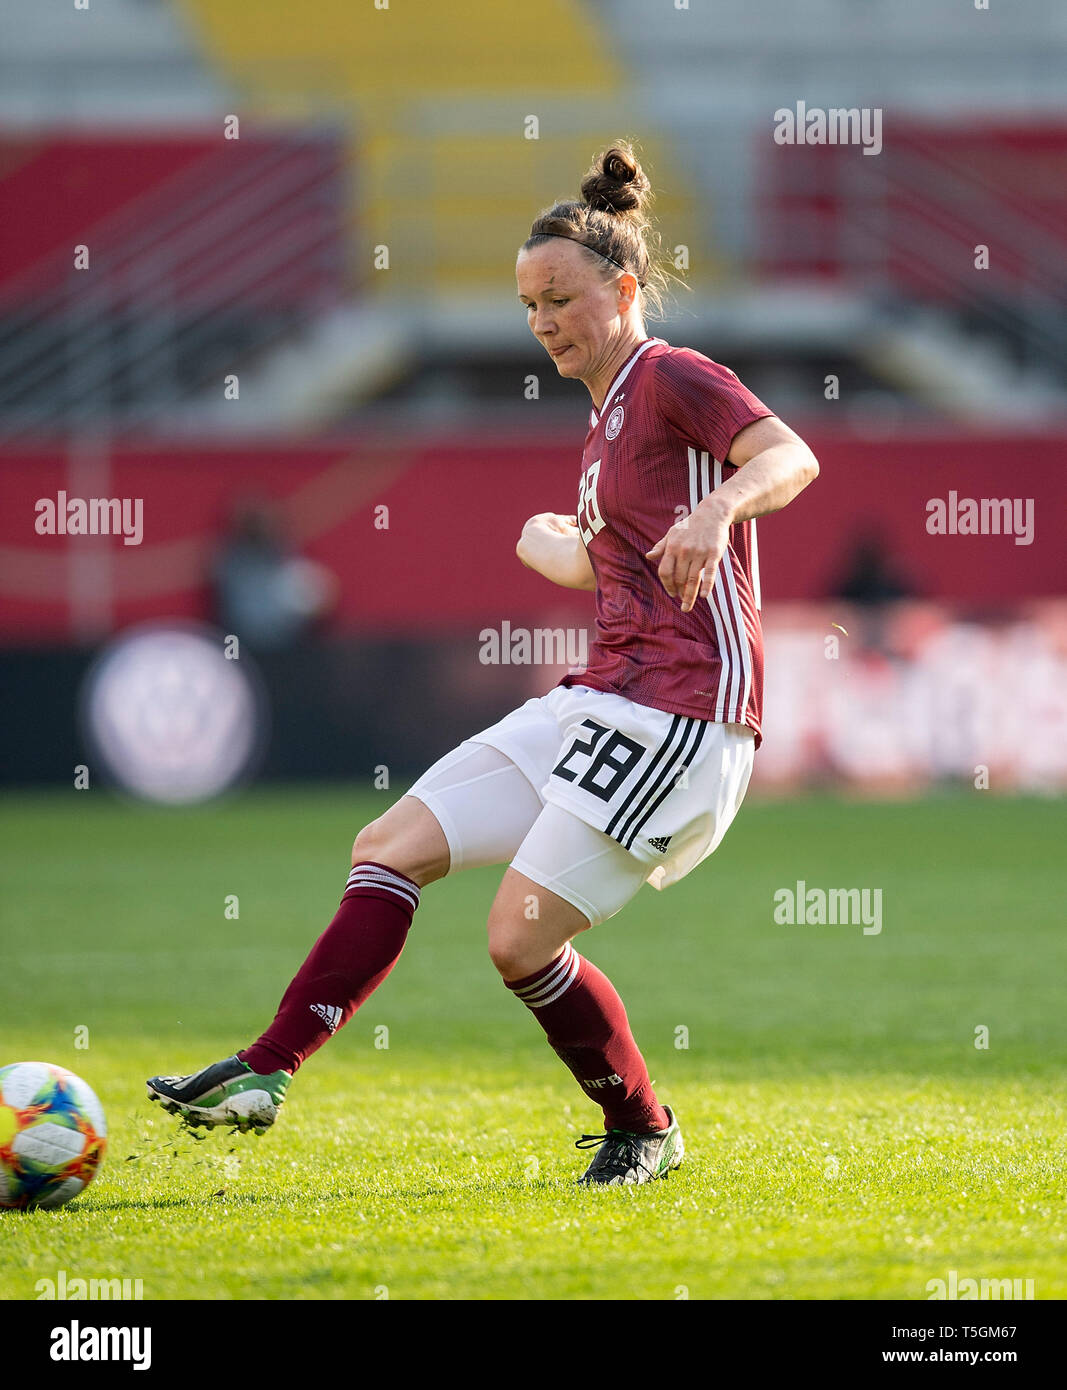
(897, 698)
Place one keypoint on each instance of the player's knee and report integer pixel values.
(417, 850)
(515, 950)
(509, 953)
(372, 845)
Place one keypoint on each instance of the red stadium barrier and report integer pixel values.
(193, 210)
(892, 701)
(911, 217)
(441, 556)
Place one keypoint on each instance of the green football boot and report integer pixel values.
(226, 1093)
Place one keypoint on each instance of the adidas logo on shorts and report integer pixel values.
(661, 843)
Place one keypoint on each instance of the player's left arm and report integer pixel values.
(774, 465)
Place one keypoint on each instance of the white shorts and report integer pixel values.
(610, 794)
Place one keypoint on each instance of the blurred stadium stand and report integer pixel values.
(198, 257)
(406, 387)
(801, 260)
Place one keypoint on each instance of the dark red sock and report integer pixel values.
(346, 965)
(580, 1010)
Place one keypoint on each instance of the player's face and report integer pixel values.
(572, 312)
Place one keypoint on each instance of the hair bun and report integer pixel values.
(616, 182)
(611, 223)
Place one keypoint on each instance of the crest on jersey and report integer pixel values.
(614, 425)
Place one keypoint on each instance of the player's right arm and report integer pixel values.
(552, 545)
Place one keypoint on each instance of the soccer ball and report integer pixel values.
(52, 1135)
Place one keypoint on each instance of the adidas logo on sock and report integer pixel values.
(329, 1013)
(661, 843)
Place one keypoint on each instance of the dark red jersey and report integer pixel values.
(653, 452)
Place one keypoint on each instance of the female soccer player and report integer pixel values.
(628, 772)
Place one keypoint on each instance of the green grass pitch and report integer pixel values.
(846, 1137)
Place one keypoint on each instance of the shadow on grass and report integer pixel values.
(119, 1204)
(237, 1199)
(292, 1203)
